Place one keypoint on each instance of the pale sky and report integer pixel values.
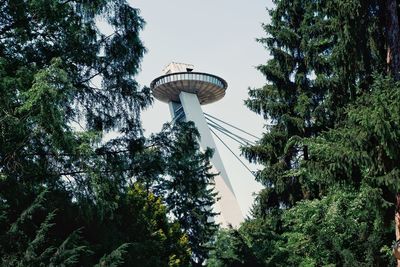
(218, 37)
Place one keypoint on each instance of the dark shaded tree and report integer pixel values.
(64, 84)
(188, 187)
(330, 155)
(232, 250)
(322, 57)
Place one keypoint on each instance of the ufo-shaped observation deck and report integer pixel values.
(208, 88)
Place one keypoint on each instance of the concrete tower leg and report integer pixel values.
(227, 205)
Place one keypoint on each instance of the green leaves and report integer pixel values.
(39, 249)
(340, 228)
(45, 103)
(50, 86)
(69, 251)
(115, 258)
(64, 84)
(330, 152)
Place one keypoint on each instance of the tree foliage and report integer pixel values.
(330, 154)
(79, 183)
(189, 189)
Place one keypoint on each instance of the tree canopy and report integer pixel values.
(79, 183)
(330, 153)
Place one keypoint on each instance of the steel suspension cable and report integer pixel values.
(234, 137)
(221, 128)
(237, 128)
(237, 157)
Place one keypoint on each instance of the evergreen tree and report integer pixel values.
(63, 85)
(189, 187)
(232, 250)
(330, 154)
(314, 72)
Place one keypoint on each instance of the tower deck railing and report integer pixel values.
(189, 76)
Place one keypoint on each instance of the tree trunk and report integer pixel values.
(397, 223)
(392, 36)
(393, 65)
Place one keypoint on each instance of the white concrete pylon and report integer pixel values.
(185, 91)
(227, 204)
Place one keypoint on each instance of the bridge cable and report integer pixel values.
(229, 132)
(230, 135)
(237, 157)
(237, 128)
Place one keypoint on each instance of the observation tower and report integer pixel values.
(185, 91)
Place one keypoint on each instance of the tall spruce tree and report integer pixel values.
(315, 71)
(330, 154)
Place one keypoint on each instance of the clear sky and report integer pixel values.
(218, 37)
